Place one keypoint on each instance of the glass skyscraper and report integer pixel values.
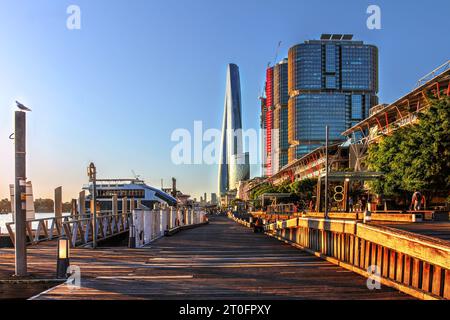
(234, 163)
(332, 81)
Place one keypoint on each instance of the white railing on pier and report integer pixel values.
(78, 229)
(149, 225)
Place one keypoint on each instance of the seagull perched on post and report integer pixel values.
(22, 107)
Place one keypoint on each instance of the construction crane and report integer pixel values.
(276, 52)
(268, 65)
(135, 175)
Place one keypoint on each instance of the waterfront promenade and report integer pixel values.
(221, 260)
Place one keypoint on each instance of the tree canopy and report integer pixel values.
(415, 157)
(304, 189)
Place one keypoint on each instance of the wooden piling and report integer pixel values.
(58, 202)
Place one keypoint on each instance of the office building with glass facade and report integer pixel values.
(332, 81)
(234, 164)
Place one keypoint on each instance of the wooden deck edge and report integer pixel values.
(36, 297)
(419, 294)
(30, 281)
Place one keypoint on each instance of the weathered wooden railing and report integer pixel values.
(78, 229)
(390, 215)
(46, 229)
(414, 264)
(239, 220)
(411, 216)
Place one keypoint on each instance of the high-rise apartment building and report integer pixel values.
(263, 137)
(274, 119)
(280, 102)
(214, 199)
(332, 81)
(269, 121)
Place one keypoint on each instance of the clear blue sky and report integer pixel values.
(114, 91)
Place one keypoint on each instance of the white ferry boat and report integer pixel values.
(132, 189)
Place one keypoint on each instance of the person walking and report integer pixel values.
(350, 204)
(363, 204)
(417, 201)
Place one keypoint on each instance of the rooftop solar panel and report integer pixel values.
(336, 37)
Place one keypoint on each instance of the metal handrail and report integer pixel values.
(57, 226)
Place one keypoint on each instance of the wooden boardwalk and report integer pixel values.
(222, 260)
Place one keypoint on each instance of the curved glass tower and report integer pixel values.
(234, 163)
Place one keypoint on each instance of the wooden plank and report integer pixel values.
(362, 251)
(400, 266)
(386, 260)
(356, 251)
(380, 257)
(426, 277)
(338, 246)
(447, 285)
(367, 255)
(351, 249)
(392, 264)
(407, 271)
(373, 259)
(436, 285)
(416, 273)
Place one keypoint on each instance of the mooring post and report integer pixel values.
(20, 194)
(92, 173)
(124, 206)
(58, 205)
(73, 208)
(114, 212)
(82, 204)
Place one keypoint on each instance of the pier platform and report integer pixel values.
(222, 260)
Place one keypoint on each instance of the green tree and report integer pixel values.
(305, 189)
(44, 205)
(5, 206)
(415, 157)
(284, 187)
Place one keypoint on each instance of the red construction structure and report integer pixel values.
(269, 120)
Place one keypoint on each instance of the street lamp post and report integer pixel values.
(326, 172)
(92, 173)
(62, 261)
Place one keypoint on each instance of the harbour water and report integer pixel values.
(5, 218)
